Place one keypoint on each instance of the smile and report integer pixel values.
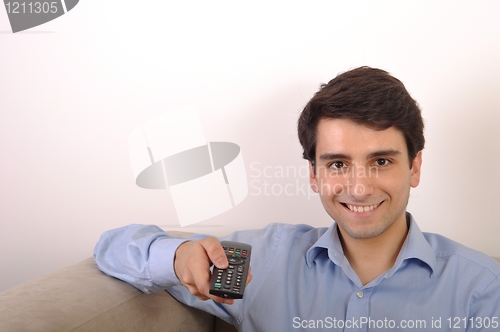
(358, 208)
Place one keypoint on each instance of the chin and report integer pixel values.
(361, 233)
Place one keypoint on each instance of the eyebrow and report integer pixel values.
(384, 153)
(380, 153)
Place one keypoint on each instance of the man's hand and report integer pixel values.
(192, 266)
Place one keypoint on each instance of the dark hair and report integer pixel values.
(366, 96)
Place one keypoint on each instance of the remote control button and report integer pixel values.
(235, 260)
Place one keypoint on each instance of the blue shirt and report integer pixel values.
(302, 281)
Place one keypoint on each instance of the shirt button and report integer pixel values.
(359, 294)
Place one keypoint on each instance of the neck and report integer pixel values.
(373, 256)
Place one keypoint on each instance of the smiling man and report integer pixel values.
(372, 269)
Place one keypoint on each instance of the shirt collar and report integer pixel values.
(414, 247)
(330, 242)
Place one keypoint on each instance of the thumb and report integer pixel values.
(215, 252)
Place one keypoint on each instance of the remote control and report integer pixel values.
(230, 283)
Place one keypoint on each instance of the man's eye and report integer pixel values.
(382, 162)
(337, 164)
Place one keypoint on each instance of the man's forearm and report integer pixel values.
(140, 255)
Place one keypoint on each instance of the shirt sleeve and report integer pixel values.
(141, 255)
(485, 309)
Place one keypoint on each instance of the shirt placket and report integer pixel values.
(358, 311)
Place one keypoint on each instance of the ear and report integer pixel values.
(313, 180)
(416, 167)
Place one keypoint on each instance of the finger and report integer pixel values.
(193, 290)
(222, 300)
(249, 278)
(215, 252)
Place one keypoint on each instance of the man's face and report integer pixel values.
(363, 176)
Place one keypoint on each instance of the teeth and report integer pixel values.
(361, 208)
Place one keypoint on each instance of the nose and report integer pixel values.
(360, 182)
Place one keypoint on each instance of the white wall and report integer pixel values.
(73, 89)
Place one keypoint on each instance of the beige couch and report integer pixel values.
(82, 298)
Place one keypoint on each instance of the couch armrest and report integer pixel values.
(82, 298)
